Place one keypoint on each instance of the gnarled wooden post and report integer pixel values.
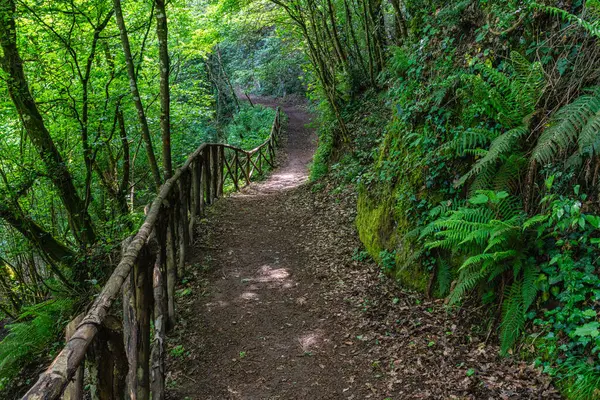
(183, 225)
(75, 389)
(108, 362)
(200, 193)
(247, 169)
(171, 264)
(194, 217)
(236, 161)
(207, 175)
(221, 170)
(157, 358)
(137, 307)
(215, 170)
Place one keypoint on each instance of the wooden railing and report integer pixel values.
(125, 356)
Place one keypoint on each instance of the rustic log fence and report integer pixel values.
(125, 357)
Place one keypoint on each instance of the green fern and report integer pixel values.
(511, 102)
(513, 317)
(31, 335)
(503, 145)
(591, 27)
(444, 277)
(490, 234)
(529, 289)
(577, 123)
(469, 140)
(507, 176)
(468, 279)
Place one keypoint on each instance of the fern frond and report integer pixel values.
(509, 207)
(467, 280)
(529, 289)
(589, 138)
(513, 318)
(568, 123)
(535, 221)
(444, 277)
(469, 140)
(507, 176)
(502, 145)
(483, 180)
(593, 28)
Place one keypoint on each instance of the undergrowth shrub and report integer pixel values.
(486, 103)
(250, 127)
(323, 156)
(566, 328)
(35, 331)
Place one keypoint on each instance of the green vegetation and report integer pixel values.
(36, 330)
(87, 137)
(250, 127)
(471, 133)
(470, 129)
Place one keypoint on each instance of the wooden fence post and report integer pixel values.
(207, 176)
(247, 169)
(184, 238)
(231, 169)
(221, 169)
(171, 262)
(236, 161)
(138, 309)
(108, 361)
(215, 170)
(75, 389)
(200, 166)
(194, 217)
(157, 357)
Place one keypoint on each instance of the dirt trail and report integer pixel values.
(275, 308)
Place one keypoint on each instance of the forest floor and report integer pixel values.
(274, 306)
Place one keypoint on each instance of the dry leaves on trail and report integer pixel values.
(276, 308)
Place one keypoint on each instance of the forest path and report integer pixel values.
(275, 307)
(256, 330)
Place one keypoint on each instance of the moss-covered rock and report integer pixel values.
(382, 227)
(375, 221)
(385, 208)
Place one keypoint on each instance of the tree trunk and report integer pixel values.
(18, 88)
(39, 237)
(165, 99)
(137, 100)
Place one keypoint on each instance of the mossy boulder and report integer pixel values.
(375, 222)
(382, 227)
(385, 208)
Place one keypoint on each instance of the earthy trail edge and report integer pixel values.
(276, 308)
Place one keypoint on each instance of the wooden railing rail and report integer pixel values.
(125, 357)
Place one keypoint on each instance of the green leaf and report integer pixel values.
(549, 182)
(561, 65)
(479, 199)
(593, 220)
(501, 195)
(589, 329)
(589, 313)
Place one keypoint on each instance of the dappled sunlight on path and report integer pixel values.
(278, 308)
(254, 334)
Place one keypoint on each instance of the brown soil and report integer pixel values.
(275, 307)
